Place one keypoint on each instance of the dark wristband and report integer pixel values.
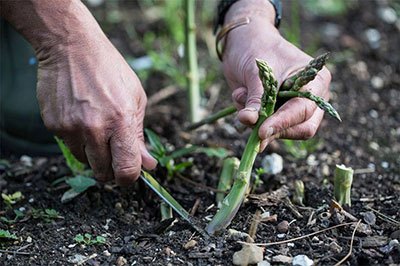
(224, 6)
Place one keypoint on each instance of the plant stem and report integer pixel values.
(229, 168)
(343, 180)
(166, 211)
(213, 117)
(191, 58)
(233, 200)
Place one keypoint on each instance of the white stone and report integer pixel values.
(272, 164)
(302, 260)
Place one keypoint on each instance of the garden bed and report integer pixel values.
(365, 91)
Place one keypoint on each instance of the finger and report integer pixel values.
(126, 156)
(292, 113)
(249, 114)
(303, 131)
(239, 97)
(99, 157)
(296, 110)
(148, 161)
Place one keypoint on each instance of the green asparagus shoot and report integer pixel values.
(342, 184)
(229, 168)
(298, 197)
(234, 199)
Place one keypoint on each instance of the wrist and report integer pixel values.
(260, 9)
(54, 28)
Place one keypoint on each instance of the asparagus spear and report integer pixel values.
(233, 200)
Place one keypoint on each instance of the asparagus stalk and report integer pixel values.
(321, 103)
(213, 117)
(229, 168)
(233, 200)
(191, 57)
(298, 196)
(306, 74)
(342, 184)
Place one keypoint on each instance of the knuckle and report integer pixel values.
(310, 131)
(126, 174)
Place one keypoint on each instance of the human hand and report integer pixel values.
(90, 97)
(296, 119)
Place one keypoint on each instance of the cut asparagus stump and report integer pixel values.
(342, 184)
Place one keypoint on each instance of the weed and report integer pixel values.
(81, 181)
(18, 215)
(46, 215)
(167, 159)
(11, 199)
(87, 239)
(6, 235)
(299, 149)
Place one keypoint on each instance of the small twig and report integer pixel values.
(290, 205)
(383, 216)
(195, 206)
(351, 245)
(297, 238)
(374, 199)
(254, 225)
(161, 95)
(15, 252)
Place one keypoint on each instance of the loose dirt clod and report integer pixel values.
(191, 244)
(283, 226)
(249, 254)
(121, 261)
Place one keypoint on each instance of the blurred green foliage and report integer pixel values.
(299, 149)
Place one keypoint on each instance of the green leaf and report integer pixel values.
(5, 234)
(80, 183)
(214, 152)
(157, 148)
(100, 240)
(74, 165)
(79, 238)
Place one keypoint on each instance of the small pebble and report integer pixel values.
(369, 218)
(264, 263)
(283, 226)
(29, 239)
(272, 164)
(302, 260)
(387, 14)
(335, 248)
(385, 164)
(26, 160)
(249, 254)
(106, 253)
(373, 37)
(280, 235)
(377, 82)
(121, 261)
(191, 244)
(282, 259)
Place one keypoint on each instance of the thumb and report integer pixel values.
(249, 114)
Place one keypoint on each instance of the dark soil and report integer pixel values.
(365, 91)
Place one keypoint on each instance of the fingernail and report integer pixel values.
(250, 109)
